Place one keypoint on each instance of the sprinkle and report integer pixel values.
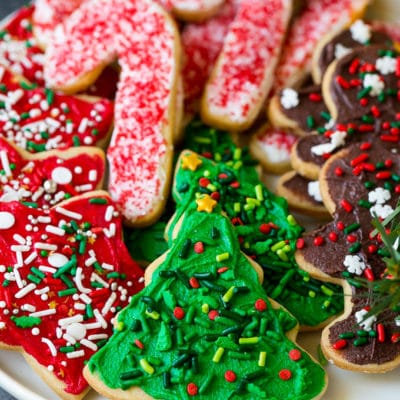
(52, 348)
(285, 374)
(218, 354)
(55, 230)
(146, 366)
(260, 305)
(75, 354)
(230, 376)
(250, 340)
(25, 290)
(68, 213)
(228, 295)
(179, 313)
(295, 355)
(222, 257)
(262, 358)
(192, 389)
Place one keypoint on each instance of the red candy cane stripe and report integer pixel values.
(145, 41)
(242, 76)
(318, 18)
(50, 13)
(201, 45)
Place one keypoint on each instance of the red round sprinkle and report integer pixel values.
(340, 225)
(375, 111)
(397, 189)
(235, 184)
(199, 247)
(386, 125)
(295, 354)
(230, 376)
(351, 238)
(394, 131)
(315, 97)
(388, 163)
(67, 251)
(372, 249)
(340, 344)
(364, 102)
(213, 314)
(204, 182)
(300, 243)
(319, 241)
(260, 305)
(346, 205)
(285, 374)
(215, 196)
(365, 146)
(339, 171)
(194, 283)
(333, 237)
(395, 338)
(265, 228)
(192, 389)
(179, 313)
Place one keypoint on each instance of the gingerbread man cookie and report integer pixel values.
(203, 326)
(65, 273)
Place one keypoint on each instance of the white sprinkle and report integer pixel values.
(109, 213)
(42, 291)
(44, 313)
(337, 139)
(57, 260)
(45, 268)
(69, 127)
(374, 82)
(386, 65)
(28, 307)
(35, 331)
(360, 32)
(79, 306)
(69, 338)
(100, 318)
(93, 325)
(55, 230)
(84, 188)
(70, 320)
(97, 278)
(89, 344)
(111, 231)
(61, 175)
(76, 330)
(24, 291)
(98, 336)
(2, 70)
(108, 304)
(83, 125)
(7, 220)
(52, 348)
(85, 298)
(44, 220)
(45, 246)
(90, 261)
(20, 248)
(289, 98)
(68, 213)
(341, 51)
(19, 239)
(75, 354)
(92, 175)
(18, 279)
(108, 267)
(5, 162)
(30, 258)
(78, 281)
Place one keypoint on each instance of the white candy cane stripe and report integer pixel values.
(145, 40)
(318, 18)
(242, 76)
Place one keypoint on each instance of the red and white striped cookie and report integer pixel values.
(50, 13)
(201, 45)
(145, 40)
(243, 73)
(318, 18)
(192, 10)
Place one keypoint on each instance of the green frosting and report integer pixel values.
(195, 326)
(309, 300)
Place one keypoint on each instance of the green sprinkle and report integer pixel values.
(38, 272)
(361, 341)
(28, 86)
(34, 278)
(166, 380)
(364, 203)
(67, 292)
(206, 383)
(49, 96)
(26, 322)
(146, 366)
(67, 349)
(262, 358)
(363, 92)
(76, 141)
(259, 192)
(351, 228)
(250, 340)
(89, 311)
(327, 291)
(310, 122)
(354, 248)
(130, 375)
(228, 295)
(98, 200)
(325, 115)
(185, 248)
(291, 220)
(30, 204)
(347, 335)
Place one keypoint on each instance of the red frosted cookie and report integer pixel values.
(192, 10)
(146, 44)
(45, 179)
(244, 70)
(65, 273)
(39, 119)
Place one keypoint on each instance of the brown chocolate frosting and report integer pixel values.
(299, 186)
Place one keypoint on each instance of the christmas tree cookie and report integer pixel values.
(64, 275)
(266, 230)
(203, 326)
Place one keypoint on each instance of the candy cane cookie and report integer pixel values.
(192, 10)
(39, 119)
(50, 13)
(44, 179)
(65, 273)
(316, 19)
(243, 73)
(146, 44)
(201, 45)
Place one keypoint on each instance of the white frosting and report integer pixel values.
(314, 190)
(341, 51)
(375, 82)
(386, 65)
(289, 98)
(379, 195)
(354, 264)
(337, 140)
(360, 32)
(365, 323)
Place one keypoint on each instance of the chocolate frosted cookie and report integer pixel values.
(337, 45)
(358, 184)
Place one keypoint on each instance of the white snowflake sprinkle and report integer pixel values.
(360, 31)
(289, 98)
(386, 65)
(375, 82)
(381, 211)
(341, 51)
(365, 323)
(379, 196)
(354, 264)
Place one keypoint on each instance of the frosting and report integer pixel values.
(39, 119)
(146, 48)
(267, 232)
(242, 76)
(316, 19)
(204, 328)
(45, 180)
(358, 178)
(65, 273)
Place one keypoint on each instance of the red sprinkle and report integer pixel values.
(213, 314)
(194, 283)
(351, 238)
(366, 128)
(395, 338)
(300, 243)
(365, 146)
(260, 305)
(369, 274)
(342, 82)
(394, 131)
(215, 196)
(340, 225)
(204, 182)
(230, 376)
(179, 313)
(381, 333)
(397, 189)
(265, 228)
(361, 158)
(339, 171)
(340, 344)
(385, 125)
(375, 111)
(285, 374)
(346, 205)
(139, 344)
(388, 163)
(295, 354)
(383, 175)
(364, 102)
(192, 389)
(235, 185)
(222, 270)
(315, 97)
(333, 237)
(199, 247)
(389, 138)
(319, 241)
(372, 249)
(354, 66)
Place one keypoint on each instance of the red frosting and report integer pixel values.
(64, 275)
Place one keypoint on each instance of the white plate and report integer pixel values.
(17, 377)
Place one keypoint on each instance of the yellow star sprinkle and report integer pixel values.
(191, 161)
(206, 203)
